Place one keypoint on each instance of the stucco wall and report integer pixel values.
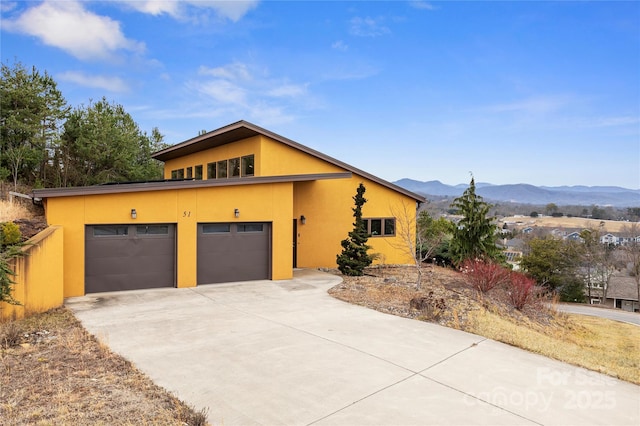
(186, 208)
(39, 275)
(225, 152)
(327, 206)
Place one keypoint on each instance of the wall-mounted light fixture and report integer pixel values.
(303, 220)
(134, 214)
(236, 213)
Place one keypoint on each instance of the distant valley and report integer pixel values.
(528, 194)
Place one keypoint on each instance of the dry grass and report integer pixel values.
(597, 344)
(569, 222)
(10, 211)
(60, 374)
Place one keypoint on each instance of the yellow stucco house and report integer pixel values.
(237, 203)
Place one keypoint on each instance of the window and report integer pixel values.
(389, 227)
(247, 165)
(177, 174)
(384, 227)
(250, 227)
(234, 167)
(152, 230)
(189, 172)
(216, 228)
(110, 231)
(211, 170)
(375, 227)
(199, 172)
(222, 169)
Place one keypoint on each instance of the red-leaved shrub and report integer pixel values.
(522, 290)
(482, 275)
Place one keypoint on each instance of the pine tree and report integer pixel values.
(104, 144)
(354, 257)
(31, 112)
(474, 236)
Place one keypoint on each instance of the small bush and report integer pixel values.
(430, 306)
(521, 291)
(9, 234)
(10, 334)
(195, 418)
(484, 276)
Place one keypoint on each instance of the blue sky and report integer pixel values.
(546, 93)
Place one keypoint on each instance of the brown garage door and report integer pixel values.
(229, 252)
(129, 257)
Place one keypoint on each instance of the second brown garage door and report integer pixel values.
(229, 252)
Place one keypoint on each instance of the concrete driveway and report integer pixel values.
(286, 353)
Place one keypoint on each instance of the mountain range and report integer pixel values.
(529, 194)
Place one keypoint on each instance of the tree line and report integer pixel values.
(45, 142)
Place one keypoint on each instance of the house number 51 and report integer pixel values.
(186, 213)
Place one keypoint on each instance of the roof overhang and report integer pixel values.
(243, 130)
(180, 184)
(228, 134)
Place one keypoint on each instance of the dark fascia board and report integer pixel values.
(243, 129)
(224, 135)
(181, 184)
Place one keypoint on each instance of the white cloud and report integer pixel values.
(598, 122)
(288, 91)
(112, 84)
(423, 5)
(233, 10)
(223, 91)
(270, 115)
(340, 45)
(617, 121)
(234, 71)
(154, 7)
(237, 89)
(534, 105)
(368, 27)
(68, 26)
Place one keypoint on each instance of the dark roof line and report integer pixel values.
(181, 184)
(243, 129)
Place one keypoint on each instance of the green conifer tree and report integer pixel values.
(474, 237)
(354, 257)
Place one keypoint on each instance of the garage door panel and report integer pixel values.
(126, 257)
(231, 252)
(124, 282)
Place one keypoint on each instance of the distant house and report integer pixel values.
(512, 250)
(609, 239)
(622, 293)
(628, 240)
(574, 236)
(616, 240)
